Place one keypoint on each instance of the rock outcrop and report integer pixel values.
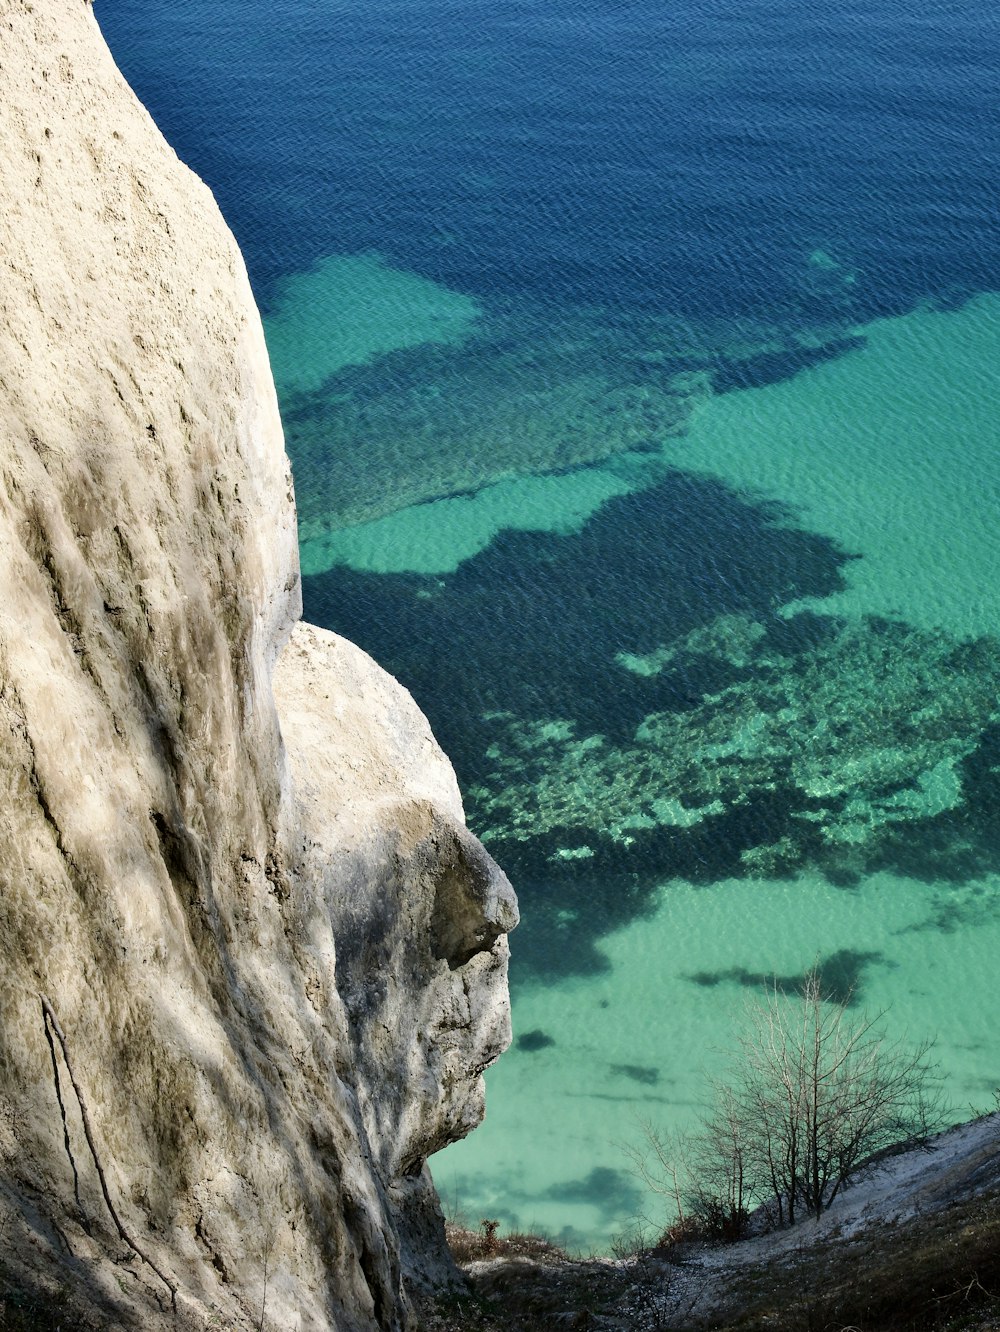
(276, 957)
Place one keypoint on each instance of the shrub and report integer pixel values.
(813, 1091)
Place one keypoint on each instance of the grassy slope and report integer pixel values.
(937, 1273)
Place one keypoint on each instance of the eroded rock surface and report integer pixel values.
(279, 971)
(418, 912)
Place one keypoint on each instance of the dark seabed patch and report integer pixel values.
(958, 906)
(532, 1041)
(770, 366)
(841, 976)
(626, 705)
(539, 391)
(633, 1099)
(642, 1073)
(530, 630)
(531, 626)
(612, 1192)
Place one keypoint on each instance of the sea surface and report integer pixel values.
(639, 369)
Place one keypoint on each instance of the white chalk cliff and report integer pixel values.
(232, 858)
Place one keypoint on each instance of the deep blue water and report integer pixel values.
(612, 152)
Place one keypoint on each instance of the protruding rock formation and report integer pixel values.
(279, 968)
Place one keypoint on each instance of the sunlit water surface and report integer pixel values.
(639, 371)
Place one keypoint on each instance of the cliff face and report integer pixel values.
(276, 956)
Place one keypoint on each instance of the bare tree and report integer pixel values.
(706, 1175)
(814, 1090)
(723, 1169)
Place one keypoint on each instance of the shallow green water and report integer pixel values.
(890, 450)
(635, 1043)
(893, 450)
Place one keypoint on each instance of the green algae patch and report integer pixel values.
(437, 397)
(432, 417)
(845, 742)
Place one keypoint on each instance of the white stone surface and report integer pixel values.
(279, 974)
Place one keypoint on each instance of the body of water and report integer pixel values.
(638, 367)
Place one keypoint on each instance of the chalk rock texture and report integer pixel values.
(276, 957)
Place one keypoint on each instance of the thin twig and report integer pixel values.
(966, 1291)
(50, 1019)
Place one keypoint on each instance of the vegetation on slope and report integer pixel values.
(936, 1273)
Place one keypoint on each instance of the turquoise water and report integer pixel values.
(638, 370)
(829, 783)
